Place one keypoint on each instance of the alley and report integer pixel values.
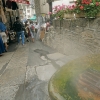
(25, 71)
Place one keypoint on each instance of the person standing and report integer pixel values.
(2, 48)
(47, 26)
(27, 31)
(19, 29)
(3, 34)
(36, 31)
(31, 27)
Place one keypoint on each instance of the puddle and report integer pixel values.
(34, 90)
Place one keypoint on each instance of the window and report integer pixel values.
(29, 16)
(28, 11)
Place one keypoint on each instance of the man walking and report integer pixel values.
(19, 29)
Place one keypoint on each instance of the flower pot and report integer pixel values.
(69, 16)
(80, 15)
(98, 15)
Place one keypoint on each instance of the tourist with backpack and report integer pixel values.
(19, 29)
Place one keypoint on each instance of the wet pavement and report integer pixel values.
(25, 71)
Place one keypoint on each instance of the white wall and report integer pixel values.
(60, 2)
(29, 12)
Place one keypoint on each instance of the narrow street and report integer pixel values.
(64, 61)
(26, 70)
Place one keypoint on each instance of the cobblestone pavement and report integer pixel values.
(25, 72)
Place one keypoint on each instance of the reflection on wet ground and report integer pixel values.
(77, 80)
(34, 90)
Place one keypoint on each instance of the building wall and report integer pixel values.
(44, 7)
(26, 11)
(29, 12)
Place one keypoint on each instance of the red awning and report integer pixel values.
(22, 1)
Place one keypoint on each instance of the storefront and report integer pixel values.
(9, 10)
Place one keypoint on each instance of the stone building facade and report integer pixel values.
(79, 36)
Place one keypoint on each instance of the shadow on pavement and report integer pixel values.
(12, 47)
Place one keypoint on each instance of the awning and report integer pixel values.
(22, 1)
(33, 18)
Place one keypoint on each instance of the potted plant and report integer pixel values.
(69, 12)
(58, 12)
(63, 11)
(89, 8)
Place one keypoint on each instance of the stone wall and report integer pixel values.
(75, 36)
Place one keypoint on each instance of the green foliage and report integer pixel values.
(59, 11)
(66, 80)
(59, 14)
(89, 7)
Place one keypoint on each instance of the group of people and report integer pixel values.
(27, 30)
(31, 30)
